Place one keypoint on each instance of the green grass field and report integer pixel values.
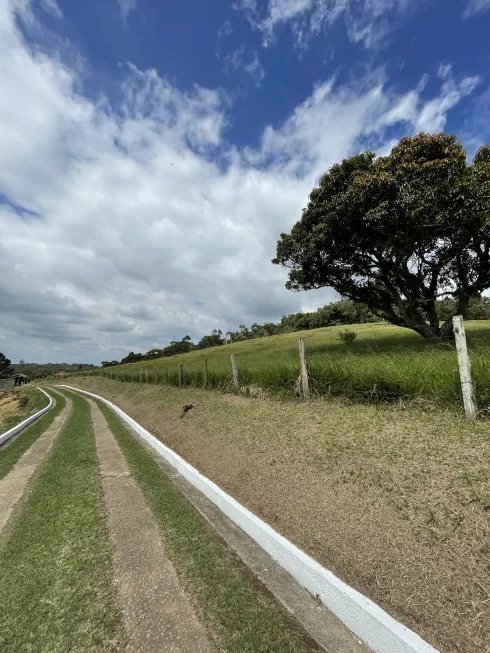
(385, 363)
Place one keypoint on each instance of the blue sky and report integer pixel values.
(267, 56)
(152, 153)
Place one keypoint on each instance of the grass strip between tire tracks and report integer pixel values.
(244, 619)
(10, 455)
(56, 581)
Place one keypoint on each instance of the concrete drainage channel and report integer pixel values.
(4, 437)
(364, 618)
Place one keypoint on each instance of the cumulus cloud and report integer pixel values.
(476, 7)
(125, 225)
(368, 22)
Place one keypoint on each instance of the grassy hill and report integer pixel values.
(384, 363)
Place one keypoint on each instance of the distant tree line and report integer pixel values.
(175, 347)
(334, 314)
(478, 308)
(40, 370)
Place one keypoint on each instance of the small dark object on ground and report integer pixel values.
(186, 408)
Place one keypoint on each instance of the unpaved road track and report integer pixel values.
(157, 614)
(14, 484)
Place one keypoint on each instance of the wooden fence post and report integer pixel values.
(181, 375)
(305, 386)
(156, 378)
(235, 372)
(205, 372)
(146, 370)
(166, 375)
(141, 374)
(464, 364)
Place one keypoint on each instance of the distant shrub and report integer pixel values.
(347, 337)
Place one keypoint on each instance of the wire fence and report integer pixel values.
(303, 378)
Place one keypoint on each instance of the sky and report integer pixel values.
(151, 153)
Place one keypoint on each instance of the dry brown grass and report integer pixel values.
(9, 403)
(18, 403)
(395, 501)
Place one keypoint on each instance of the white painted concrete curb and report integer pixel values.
(363, 617)
(20, 427)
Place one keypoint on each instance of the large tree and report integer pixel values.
(398, 232)
(6, 368)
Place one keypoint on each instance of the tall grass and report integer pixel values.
(384, 364)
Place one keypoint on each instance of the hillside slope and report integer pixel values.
(384, 363)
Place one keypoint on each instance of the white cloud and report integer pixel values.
(433, 116)
(127, 6)
(476, 7)
(369, 22)
(145, 223)
(247, 61)
(254, 68)
(52, 7)
(429, 116)
(225, 30)
(240, 59)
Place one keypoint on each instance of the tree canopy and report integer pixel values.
(398, 232)
(6, 368)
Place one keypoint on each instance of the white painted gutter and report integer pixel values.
(375, 627)
(20, 427)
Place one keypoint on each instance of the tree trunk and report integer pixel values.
(447, 330)
(463, 301)
(423, 329)
(432, 315)
(416, 322)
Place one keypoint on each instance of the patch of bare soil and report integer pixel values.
(396, 502)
